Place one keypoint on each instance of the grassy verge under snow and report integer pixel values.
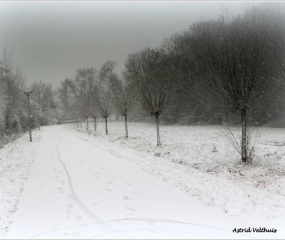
(16, 159)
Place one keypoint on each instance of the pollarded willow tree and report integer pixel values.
(93, 96)
(123, 99)
(237, 67)
(150, 72)
(105, 96)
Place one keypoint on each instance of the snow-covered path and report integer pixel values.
(76, 190)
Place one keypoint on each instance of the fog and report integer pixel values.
(51, 40)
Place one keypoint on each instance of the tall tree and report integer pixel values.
(93, 93)
(94, 109)
(150, 71)
(65, 98)
(123, 99)
(80, 89)
(235, 59)
(105, 96)
(12, 84)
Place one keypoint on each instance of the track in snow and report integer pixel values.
(80, 204)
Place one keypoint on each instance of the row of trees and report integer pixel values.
(95, 94)
(215, 71)
(229, 70)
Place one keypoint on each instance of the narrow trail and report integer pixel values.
(110, 230)
(76, 199)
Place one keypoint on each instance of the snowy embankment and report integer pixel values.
(186, 160)
(16, 159)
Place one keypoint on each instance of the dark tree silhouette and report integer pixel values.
(236, 60)
(150, 71)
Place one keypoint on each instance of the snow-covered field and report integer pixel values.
(213, 190)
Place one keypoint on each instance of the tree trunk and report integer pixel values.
(157, 128)
(244, 157)
(95, 124)
(226, 117)
(30, 123)
(106, 123)
(7, 119)
(126, 125)
(87, 123)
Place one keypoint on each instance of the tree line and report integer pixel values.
(95, 94)
(14, 103)
(225, 71)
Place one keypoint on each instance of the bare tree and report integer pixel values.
(2, 112)
(80, 89)
(94, 109)
(123, 99)
(150, 71)
(105, 96)
(44, 99)
(12, 84)
(93, 96)
(235, 59)
(65, 97)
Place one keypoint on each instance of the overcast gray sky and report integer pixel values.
(51, 40)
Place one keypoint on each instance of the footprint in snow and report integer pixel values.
(60, 189)
(126, 198)
(71, 196)
(130, 209)
(78, 217)
(76, 235)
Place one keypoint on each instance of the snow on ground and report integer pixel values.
(75, 190)
(16, 159)
(89, 185)
(186, 160)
